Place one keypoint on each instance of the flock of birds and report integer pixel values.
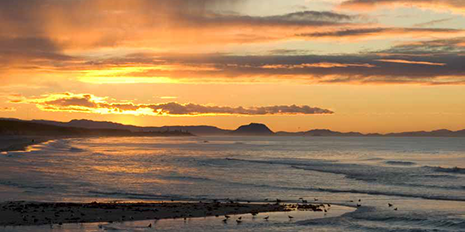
(303, 201)
(359, 204)
(301, 205)
(239, 219)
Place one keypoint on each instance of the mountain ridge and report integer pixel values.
(250, 129)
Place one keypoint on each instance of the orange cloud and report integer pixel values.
(411, 62)
(317, 65)
(151, 24)
(7, 109)
(88, 103)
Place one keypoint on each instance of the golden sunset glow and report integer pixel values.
(347, 65)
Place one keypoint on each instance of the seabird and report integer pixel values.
(238, 221)
(266, 218)
(389, 204)
(150, 225)
(290, 217)
(226, 216)
(225, 220)
(358, 205)
(395, 209)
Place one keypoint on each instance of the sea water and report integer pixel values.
(424, 178)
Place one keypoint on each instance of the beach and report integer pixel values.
(20, 143)
(37, 213)
(372, 184)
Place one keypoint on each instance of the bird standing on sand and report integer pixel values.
(389, 204)
(150, 225)
(238, 221)
(395, 209)
(227, 217)
(266, 218)
(225, 220)
(290, 217)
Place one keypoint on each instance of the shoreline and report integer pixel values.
(35, 213)
(11, 143)
(21, 143)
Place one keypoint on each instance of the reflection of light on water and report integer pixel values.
(28, 149)
(39, 146)
(331, 169)
(130, 170)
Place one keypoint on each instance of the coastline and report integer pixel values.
(9, 143)
(35, 213)
(20, 143)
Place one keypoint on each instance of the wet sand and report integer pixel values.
(34, 213)
(20, 143)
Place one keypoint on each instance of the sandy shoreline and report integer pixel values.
(20, 143)
(35, 213)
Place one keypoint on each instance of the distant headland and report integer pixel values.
(10, 126)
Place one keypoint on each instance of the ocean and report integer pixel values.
(423, 178)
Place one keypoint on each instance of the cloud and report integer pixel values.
(429, 62)
(437, 47)
(96, 24)
(295, 19)
(27, 52)
(382, 33)
(52, 35)
(7, 109)
(177, 41)
(87, 103)
(317, 65)
(434, 22)
(168, 97)
(401, 64)
(411, 62)
(452, 5)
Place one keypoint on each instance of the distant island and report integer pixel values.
(253, 129)
(85, 127)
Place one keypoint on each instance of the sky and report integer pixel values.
(295, 65)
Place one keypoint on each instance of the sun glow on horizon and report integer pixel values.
(226, 62)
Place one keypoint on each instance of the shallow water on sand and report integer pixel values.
(277, 221)
(423, 177)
